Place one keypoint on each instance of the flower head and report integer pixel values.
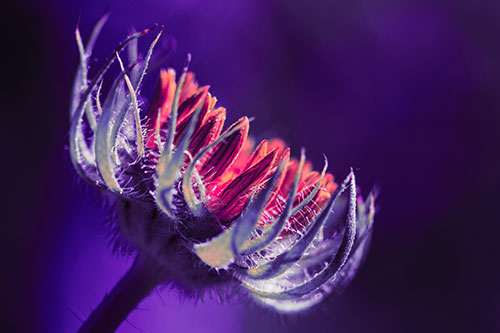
(208, 204)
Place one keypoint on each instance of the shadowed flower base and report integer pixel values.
(157, 237)
(202, 208)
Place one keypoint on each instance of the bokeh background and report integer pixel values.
(407, 92)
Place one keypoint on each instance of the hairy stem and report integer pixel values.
(144, 275)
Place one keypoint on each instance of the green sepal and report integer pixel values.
(285, 260)
(76, 141)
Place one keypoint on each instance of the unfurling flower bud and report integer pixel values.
(202, 202)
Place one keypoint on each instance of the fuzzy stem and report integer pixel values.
(140, 280)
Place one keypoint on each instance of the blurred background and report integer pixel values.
(406, 92)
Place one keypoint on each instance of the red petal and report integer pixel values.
(277, 143)
(240, 162)
(210, 102)
(300, 220)
(276, 202)
(291, 171)
(209, 131)
(162, 99)
(188, 88)
(257, 155)
(238, 166)
(285, 157)
(187, 109)
(188, 106)
(208, 107)
(236, 193)
(224, 154)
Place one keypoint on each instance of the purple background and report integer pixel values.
(407, 92)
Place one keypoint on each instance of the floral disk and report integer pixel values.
(204, 203)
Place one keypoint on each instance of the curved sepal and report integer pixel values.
(217, 252)
(78, 148)
(282, 288)
(221, 251)
(109, 125)
(271, 231)
(194, 204)
(250, 217)
(131, 100)
(332, 287)
(285, 260)
(313, 193)
(169, 163)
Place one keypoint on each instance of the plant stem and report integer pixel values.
(140, 280)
